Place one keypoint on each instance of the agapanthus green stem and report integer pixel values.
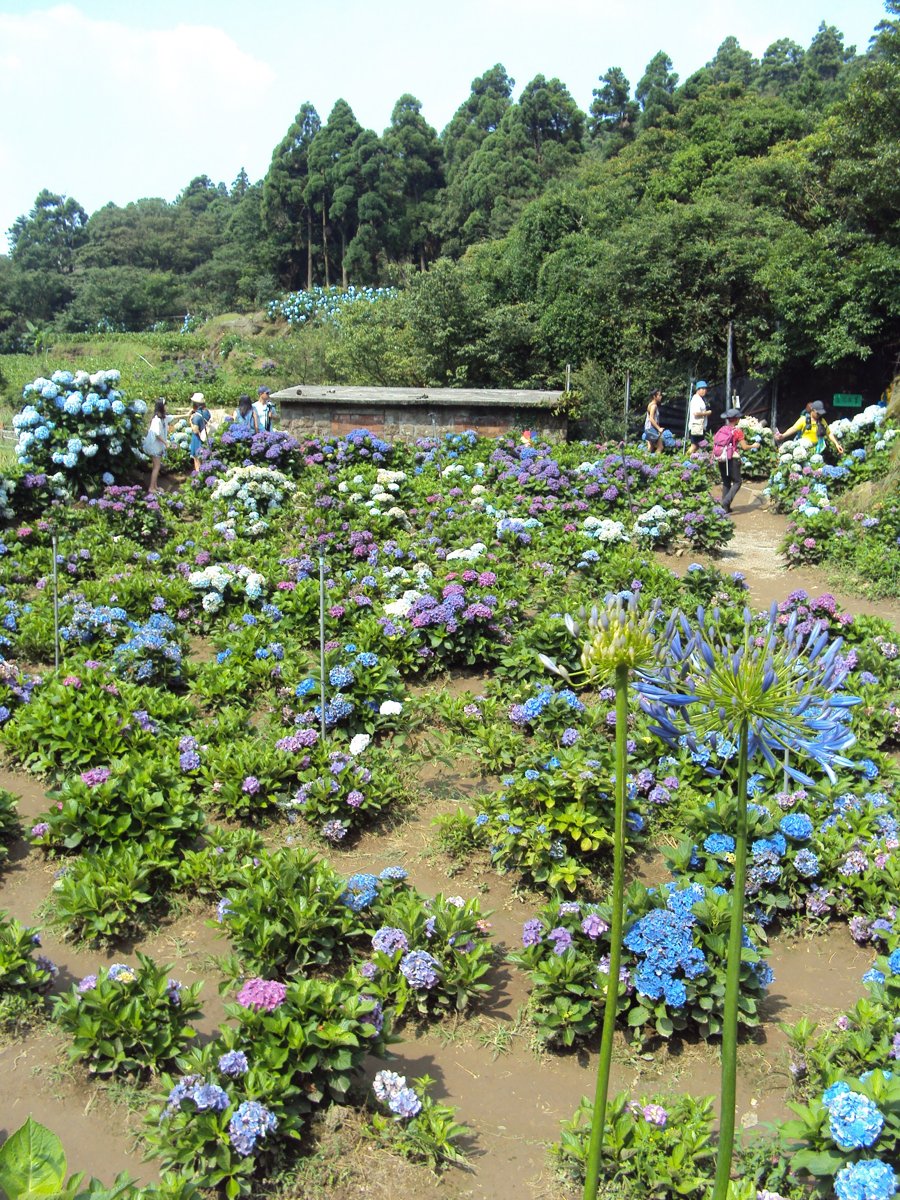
(733, 980)
(598, 1124)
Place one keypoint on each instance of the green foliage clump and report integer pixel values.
(129, 1020)
(24, 977)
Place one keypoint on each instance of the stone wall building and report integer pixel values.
(407, 413)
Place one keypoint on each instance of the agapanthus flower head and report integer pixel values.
(784, 683)
(613, 635)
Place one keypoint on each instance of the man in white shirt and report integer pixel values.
(264, 408)
(699, 413)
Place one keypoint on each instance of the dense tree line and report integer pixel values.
(529, 234)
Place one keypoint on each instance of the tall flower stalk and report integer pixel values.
(620, 644)
(770, 693)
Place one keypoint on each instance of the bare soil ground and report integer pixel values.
(512, 1095)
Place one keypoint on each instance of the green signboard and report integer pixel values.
(842, 400)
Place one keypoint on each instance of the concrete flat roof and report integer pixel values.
(416, 397)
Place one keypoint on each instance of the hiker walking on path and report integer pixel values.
(727, 455)
(699, 413)
(653, 431)
(813, 428)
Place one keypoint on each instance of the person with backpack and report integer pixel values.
(726, 454)
(813, 429)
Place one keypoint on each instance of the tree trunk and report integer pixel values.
(325, 248)
(309, 252)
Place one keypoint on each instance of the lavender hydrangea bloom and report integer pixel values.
(532, 932)
(234, 1064)
(561, 939)
(593, 925)
(420, 969)
(386, 1084)
(405, 1103)
(388, 940)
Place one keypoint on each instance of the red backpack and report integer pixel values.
(724, 442)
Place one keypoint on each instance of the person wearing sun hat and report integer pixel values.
(264, 407)
(699, 413)
(813, 428)
(727, 455)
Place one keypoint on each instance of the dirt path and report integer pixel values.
(754, 551)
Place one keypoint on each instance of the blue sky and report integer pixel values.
(109, 101)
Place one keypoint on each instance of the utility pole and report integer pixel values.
(728, 366)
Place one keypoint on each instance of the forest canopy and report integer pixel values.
(528, 234)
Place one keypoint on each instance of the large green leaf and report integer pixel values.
(32, 1162)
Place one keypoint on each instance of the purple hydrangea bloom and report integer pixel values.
(234, 1064)
(388, 940)
(420, 969)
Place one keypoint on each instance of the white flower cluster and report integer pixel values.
(251, 493)
(395, 579)
(861, 422)
(655, 523)
(604, 529)
(215, 581)
(180, 435)
(399, 608)
(794, 452)
(390, 479)
(467, 554)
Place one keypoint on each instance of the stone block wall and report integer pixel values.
(408, 422)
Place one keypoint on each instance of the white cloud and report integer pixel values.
(102, 110)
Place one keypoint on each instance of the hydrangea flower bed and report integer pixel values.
(452, 553)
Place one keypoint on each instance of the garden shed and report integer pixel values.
(323, 410)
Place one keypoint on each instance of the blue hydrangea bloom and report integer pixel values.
(719, 843)
(855, 1121)
(806, 864)
(869, 1179)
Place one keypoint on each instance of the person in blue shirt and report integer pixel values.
(199, 423)
(245, 414)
